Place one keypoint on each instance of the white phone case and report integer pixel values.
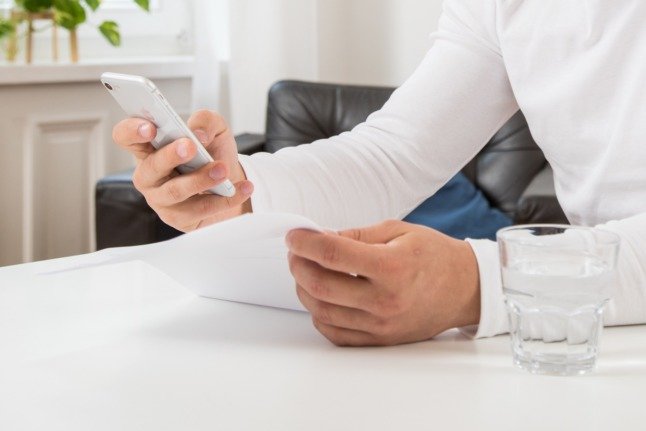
(140, 98)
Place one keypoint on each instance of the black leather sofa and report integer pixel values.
(511, 170)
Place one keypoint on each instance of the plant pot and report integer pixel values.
(29, 18)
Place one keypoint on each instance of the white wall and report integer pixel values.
(376, 42)
(270, 40)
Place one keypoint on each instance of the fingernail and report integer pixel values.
(247, 188)
(182, 150)
(218, 172)
(201, 135)
(288, 238)
(145, 130)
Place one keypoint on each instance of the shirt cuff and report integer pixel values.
(493, 313)
(260, 199)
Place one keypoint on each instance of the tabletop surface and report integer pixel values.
(124, 347)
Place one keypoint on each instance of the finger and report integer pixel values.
(381, 233)
(331, 286)
(205, 206)
(343, 337)
(338, 253)
(182, 187)
(134, 135)
(210, 128)
(155, 169)
(336, 315)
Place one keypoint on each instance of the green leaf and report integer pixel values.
(69, 14)
(7, 28)
(144, 4)
(110, 30)
(93, 4)
(65, 20)
(34, 5)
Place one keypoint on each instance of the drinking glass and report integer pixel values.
(556, 281)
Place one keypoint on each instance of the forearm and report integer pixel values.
(432, 126)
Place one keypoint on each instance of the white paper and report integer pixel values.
(242, 260)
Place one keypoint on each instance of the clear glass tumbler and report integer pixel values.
(556, 281)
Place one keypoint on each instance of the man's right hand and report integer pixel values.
(180, 200)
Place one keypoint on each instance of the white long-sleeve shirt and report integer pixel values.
(576, 68)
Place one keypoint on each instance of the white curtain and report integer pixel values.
(211, 45)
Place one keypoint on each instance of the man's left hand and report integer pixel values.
(387, 284)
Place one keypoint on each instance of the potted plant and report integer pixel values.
(68, 14)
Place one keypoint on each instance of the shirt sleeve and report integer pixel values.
(436, 122)
(628, 303)
(626, 307)
(493, 313)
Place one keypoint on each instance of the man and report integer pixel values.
(576, 68)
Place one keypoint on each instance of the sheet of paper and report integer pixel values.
(242, 260)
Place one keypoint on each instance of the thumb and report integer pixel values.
(381, 233)
(211, 130)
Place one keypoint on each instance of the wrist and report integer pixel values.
(469, 285)
(238, 174)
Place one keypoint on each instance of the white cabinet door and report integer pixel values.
(55, 143)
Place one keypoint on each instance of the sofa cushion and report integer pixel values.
(460, 210)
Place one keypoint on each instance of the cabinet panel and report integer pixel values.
(55, 142)
(63, 161)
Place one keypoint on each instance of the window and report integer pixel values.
(126, 4)
(107, 4)
(166, 30)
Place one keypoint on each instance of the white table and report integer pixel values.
(125, 348)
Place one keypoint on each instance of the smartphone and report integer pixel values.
(140, 98)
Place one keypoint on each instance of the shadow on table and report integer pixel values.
(215, 322)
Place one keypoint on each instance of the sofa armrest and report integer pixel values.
(123, 218)
(249, 143)
(539, 209)
(538, 204)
